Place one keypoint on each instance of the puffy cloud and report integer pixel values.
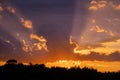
(36, 43)
(41, 41)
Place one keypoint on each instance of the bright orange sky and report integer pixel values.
(61, 33)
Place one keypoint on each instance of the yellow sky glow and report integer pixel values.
(99, 65)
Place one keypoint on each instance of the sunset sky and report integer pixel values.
(62, 33)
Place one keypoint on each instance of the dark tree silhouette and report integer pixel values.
(11, 61)
(20, 71)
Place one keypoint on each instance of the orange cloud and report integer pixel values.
(97, 29)
(117, 7)
(106, 48)
(41, 42)
(94, 5)
(93, 8)
(26, 47)
(111, 33)
(37, 43)
(77, 47)
(26, 23)
(100, 30)
(102, 4)
(93, 21)
(64, 63)
(93, 2)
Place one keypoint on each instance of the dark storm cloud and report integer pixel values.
(115, 56)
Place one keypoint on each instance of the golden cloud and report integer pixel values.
(94, 5)
(111, 33)
(93, 2)
(117, 7)
(64, 63)
(102, 4)
(93, 8)
(37, 43)
(77, 47)
(105, 48)
(26, 23)
(41, 42)
(97, 29)
(26, 46)
(93, 21)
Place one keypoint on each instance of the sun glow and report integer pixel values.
(99, 65)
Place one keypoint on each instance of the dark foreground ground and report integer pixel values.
(40, 72)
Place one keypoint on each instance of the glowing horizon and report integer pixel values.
(61, 33)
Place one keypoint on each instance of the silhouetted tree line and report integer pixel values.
(18, 71)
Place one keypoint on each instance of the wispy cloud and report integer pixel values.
(26, 23)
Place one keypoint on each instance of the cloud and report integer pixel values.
(82, 48)
(107, 47)
(115, 56)
(101, 30)
(41, 42)
(26, 23)
(37, 43)
(77, 48)
(29, 41)
(96, 5)
(102, 4)
(93, 8)
(97, 29)
(117, 7)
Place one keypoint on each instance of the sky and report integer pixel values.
(61, 32)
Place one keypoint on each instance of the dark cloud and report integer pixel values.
(100, 57)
